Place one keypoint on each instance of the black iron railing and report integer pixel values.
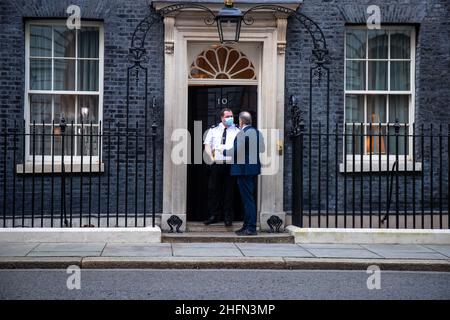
(66, 175)
(377, 176)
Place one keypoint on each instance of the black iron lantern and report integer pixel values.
(229, 21)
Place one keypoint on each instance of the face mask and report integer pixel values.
(229, 121)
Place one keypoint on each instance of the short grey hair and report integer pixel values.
(246, 117)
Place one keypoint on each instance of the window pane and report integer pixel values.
(41, 109)
(88, 42)
(398, 108)
(376, 109)
(400, 44)
(88, 141)
(401, 141)
(64, 74)
(222, 55)
(229, 28)
(246, 74)
(353, 139)
(88, 109)
(400, 75)
(40, 141)
(356, 75)
(242, 64)
(356, 44)
(378, 44)
(64, 42)
(69, 149)
(87, 75)
(378, 74)
(58, 141)
(40, 41)
(40, 74)
(376, 140)
(64, 106)
(354, 108)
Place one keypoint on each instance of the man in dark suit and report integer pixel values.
(246, 167)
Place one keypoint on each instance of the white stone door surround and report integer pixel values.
(188, 27)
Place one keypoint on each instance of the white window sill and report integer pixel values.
(57, 168)
(365, 167)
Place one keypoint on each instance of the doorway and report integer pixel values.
(204, 104)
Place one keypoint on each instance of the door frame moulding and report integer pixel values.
(269, 32)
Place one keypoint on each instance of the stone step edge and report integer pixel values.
(266, 241)
(223, 263)
(226, 237)
(369, 236)
(224, 234)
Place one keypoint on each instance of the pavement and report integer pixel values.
(409, 257)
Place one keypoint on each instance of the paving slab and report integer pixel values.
(64, 254)
(272, 250)
(404, 251)
(397, 248)
(343, 253)
(412, 255)
(137, 250)
(329, 246)
(257, 246)
(64, 247)
(441, 248)
(205, 250)
(277, 253)
(11, 249)
(206, 253)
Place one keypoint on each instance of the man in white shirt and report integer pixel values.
(221, 183)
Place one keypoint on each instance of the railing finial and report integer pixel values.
(397, 126)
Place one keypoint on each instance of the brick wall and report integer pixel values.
(120, 18)
(431, 19)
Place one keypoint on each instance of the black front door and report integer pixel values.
(205, 103)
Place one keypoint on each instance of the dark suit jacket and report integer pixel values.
(247, 146)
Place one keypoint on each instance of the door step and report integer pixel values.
(214, 237)
(215, 227)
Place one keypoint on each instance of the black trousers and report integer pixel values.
(221, 192)
(246, 186)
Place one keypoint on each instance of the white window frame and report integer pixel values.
(94, 159)
(366, 92)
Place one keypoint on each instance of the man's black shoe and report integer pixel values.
(241, 231)
(228, 223)
(211, 220)
(249, 233)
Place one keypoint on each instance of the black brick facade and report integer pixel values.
(432, 22)
(431, 19)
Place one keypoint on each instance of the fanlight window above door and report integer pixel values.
(223, 62)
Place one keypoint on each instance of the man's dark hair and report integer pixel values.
(222, 112)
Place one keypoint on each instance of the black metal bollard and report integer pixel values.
(154, 129)
(297, 135)
(63, 125)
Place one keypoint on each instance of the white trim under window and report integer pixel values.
(64, 75)
(369, 85)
